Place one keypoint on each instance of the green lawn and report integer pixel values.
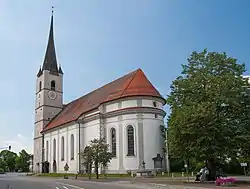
(84, 175)
(107, 175)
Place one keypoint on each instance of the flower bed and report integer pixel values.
(225, 181)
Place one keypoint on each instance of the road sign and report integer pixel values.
(243, 164)
(66, 167)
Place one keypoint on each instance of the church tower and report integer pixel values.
(49, 97)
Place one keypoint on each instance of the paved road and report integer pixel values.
(18, 181)
(21, 181)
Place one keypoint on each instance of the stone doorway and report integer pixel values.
(46, 167)
(54, 166)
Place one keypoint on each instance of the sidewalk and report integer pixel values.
(160, 182)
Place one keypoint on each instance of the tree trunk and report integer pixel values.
(96, 170)
(89, 169)
(211, 165)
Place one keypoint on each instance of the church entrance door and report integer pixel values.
(46, 167)
(54, 166)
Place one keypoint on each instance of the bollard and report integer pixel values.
(132, 175)
(192, 174)
(172, 175)
(182, 174)
(162, 173)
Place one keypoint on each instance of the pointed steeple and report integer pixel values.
(50, 62)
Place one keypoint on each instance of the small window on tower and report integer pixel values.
(53, 85)
(40, 86)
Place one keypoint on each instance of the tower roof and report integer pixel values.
(130, 85)
(50, 61)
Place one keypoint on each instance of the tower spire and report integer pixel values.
(50, 61)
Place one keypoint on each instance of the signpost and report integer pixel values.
(244, 165)
(186, 166)
(66, 168)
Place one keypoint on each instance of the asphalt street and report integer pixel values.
(18, 181)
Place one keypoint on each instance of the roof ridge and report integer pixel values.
(135, 71)
(129, 82)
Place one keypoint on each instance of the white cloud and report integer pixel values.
(19, 143)
(22, 137)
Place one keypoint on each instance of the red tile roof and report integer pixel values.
(132, 84)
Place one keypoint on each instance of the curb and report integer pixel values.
(175, 186)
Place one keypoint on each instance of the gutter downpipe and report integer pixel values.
(42, 163)
(79, 146)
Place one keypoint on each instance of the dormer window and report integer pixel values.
(53, 85)
(154, 104)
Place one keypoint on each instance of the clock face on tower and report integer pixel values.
(52, 95)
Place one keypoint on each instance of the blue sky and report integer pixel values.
(98, 41)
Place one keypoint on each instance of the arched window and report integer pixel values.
(113, 142)
(53, 85)
(131, 140)
(40, 86)
(72, 147)
(54, 149)
(155, 104)
(62, 149)
(47, 150)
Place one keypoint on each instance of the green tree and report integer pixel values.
(100, 155)
(9, 158)
(3, 165)
(87, 160)
(205, 104)
(22, 161)
(243, 139)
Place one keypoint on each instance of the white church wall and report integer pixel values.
(130, 162)
(150, 103)
(129, 103)
(65, 132)
(111, 107)
(72, 163)
(113, 123)
(153, 142)
(62, 133)
(151, 125)
(89, 130)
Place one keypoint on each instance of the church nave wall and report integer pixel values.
(129, 102)
(62, 145)
(89, 131)
(147, 141)
(152, 139)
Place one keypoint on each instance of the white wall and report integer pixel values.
(153, 143)
(65, 132)
(89, 130)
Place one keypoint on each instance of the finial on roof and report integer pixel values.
(52, 10)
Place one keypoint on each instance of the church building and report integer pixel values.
(128, 112)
